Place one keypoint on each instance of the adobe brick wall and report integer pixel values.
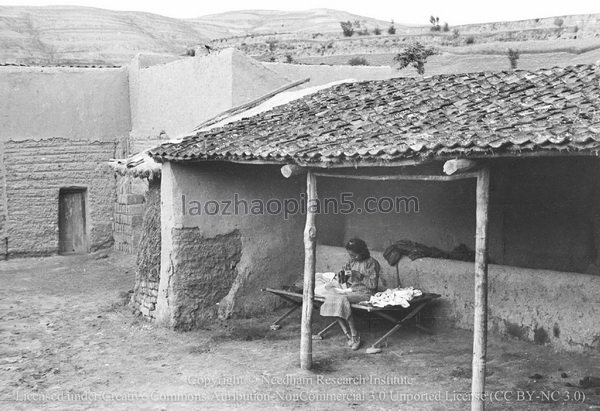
(35, 172)
(59, 127)
(127, 225)
(129, 209)
(147, 274)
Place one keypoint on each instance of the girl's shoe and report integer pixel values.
(355, 342)
(349, 339)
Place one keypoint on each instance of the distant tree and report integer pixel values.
(455, 33)
(435, 23)
(363, 32)
(513, 56)
(470, 40)
(391, 29)
(289, 59)
(272, 45)
(558, 22)
(446, 28)
(358, 61)
(190, 52)
(415, 55)
(347, 28)
(377, 31)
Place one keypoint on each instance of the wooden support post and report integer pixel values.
(481, 292)
(290, 170)
(459, 165)
(308, 295)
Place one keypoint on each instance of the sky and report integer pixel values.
(401, 11)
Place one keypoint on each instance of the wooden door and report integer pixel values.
(72, 232)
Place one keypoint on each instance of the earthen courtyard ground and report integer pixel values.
(68, 342)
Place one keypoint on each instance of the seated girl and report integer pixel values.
(362, 274)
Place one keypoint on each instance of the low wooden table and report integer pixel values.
(387, 313)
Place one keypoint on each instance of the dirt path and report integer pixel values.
(67, 342)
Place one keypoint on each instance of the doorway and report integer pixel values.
(72, 221)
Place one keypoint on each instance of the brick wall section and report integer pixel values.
(35, 172)
(127, 225)
(147, 272)
(128, 214)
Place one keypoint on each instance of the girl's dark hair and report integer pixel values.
(359, 247)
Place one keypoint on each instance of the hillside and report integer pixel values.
(82, 35)
(249, 22)
(544, 42)
(70, 35)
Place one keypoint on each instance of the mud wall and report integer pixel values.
(48, 102)
(203, 276)
(172, 98)
(442, 215)
(544, 213)
(546, 307)
(224, 257)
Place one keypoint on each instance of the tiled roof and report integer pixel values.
(476, 114)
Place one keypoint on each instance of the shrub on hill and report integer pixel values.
(347, 28)
(513, 56)
(435, 23)
(391, 29)
(358, 61)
